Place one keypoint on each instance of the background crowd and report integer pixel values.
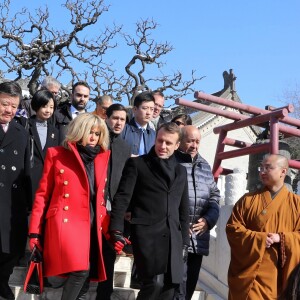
(105, 180)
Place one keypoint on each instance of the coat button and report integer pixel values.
(15, 152)
(1, 184)
(105, 179)
(66, 220)
(3, 167)
(61, 171)
(14, 186)
(1, 150)
(66, 182)
(102, 203)
(67, 195)
(13, 168)
(103, 191)
(66, 207)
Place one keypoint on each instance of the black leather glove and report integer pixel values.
(185, 253)
(118, 240)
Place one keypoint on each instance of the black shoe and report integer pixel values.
(6, 292)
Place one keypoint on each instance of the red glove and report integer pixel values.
(34, 241)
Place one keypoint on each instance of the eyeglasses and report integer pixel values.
(266, 168)
(158, 105)
(179, 123)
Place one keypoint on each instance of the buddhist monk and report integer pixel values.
(263, 234)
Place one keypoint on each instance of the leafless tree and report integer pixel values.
(293, 96)
(148, 51)
(31, 48)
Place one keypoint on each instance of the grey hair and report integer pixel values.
(48, 81)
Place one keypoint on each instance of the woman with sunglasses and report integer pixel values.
(182, 120)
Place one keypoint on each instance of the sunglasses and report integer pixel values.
(179, 123)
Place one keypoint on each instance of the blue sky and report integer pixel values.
(258, 39)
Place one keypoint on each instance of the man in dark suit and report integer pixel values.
(155, 188)
(15, 186)
(159, 101)
(68, 111)
(137, 133)
(120, 152)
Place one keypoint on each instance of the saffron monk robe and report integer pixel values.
(263, 234)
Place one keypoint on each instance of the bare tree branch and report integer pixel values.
(32, 48)
(47, 45)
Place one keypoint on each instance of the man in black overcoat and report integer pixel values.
(155, 187)
(69, 110)
(15, 186)
(120, 152)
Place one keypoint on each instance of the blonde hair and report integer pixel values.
(80, 127)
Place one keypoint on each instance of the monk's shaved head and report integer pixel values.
(279, 159)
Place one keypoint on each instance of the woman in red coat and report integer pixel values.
(69, 213)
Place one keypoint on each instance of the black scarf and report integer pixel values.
(88, 154)
(165, 166)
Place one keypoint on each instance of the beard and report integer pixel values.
(79, 105)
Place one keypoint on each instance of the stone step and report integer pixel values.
(55, 294)
(118, 294)
(122, 290)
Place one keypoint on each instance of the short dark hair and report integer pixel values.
(11, 88)
(185, 118)
(171, 128)
(158, 92)
(84, 83)
(115, 107)
(42, 98)
(143, 97)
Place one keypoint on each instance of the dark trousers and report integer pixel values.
(190, 277)
(158, 287)
(76, 286)
(105, 288)
(7, 263)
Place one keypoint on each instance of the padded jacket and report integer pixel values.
(204, 197)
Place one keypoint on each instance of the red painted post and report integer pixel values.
(217, 170)
(244, 151)
(289, 131)
(213, 110)
(294, 164)
(272, 116)
(274, 136)
(244, 107)
(235, 143)
(253, 121)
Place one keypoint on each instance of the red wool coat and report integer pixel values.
(61, 211)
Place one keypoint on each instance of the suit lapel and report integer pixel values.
(10, 135)
(51, 140)
(175, 181)
(34, 133)
(2, 134)
(155, 171)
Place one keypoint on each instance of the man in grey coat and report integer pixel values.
(204, 199)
